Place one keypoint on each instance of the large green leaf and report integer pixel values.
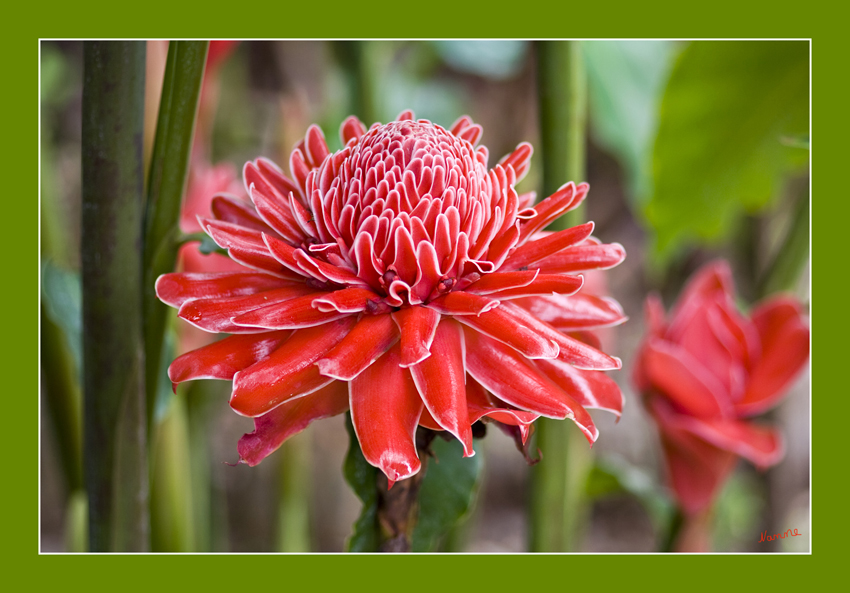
(448, 491)
(625, 81)
(719, 151)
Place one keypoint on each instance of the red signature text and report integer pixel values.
(769, 538)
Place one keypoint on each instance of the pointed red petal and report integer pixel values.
(440, 379)
(546, 246)
(462, 303)
(517, 381)
(499, 281)
(289, 372)
(235, 211)
(560, 285)
(592, 389)
(385, 410)
(365, 343)
(224, 358)
(177, 288)
(418, 326)
(291, 314)
(587, 256)
(575, 312)
(566, 198)
(506, 328)
(481, 405)
(216, 315)
(274, 427)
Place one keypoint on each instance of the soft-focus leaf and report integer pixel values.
(448, 491)
(625, 82)
(62, 298)
(719, 148)
(614, 475)
(362, 477)
(497, 59)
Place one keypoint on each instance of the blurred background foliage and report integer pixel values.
(695, 150)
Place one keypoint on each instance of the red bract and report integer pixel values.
(402, 280)
(707, 370)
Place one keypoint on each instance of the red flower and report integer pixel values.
(707, 370)
(402, 280)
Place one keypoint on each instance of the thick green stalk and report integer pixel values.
(115, 445)
(562, 103)
(175, 127)
(558, 481)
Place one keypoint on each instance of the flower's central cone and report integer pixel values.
(413, 205)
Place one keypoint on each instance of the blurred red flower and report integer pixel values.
(710, 368)
(402, 280)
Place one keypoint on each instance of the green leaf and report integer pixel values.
(362, 477)
(447, 494)
(63, 302)
(625, 82)
(719, 149)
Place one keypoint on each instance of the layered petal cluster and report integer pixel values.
(707, 370)
(404, 280)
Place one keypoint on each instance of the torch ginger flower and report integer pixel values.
(402, 280)
(707, 370)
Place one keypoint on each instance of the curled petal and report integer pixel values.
(274, 427)
(500, 281)
(385, 410)
(289, 371)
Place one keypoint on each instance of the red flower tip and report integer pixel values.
(404, 280)
(706, 369)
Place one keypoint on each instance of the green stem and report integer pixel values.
(558, 505)
(353, 57)
(175, 127)
(115, 444)
(562, 96)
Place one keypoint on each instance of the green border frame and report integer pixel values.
(534, 19)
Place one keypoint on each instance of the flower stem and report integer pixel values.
(558, 482)
(115, 440)
(398, 506)
(175, 127)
